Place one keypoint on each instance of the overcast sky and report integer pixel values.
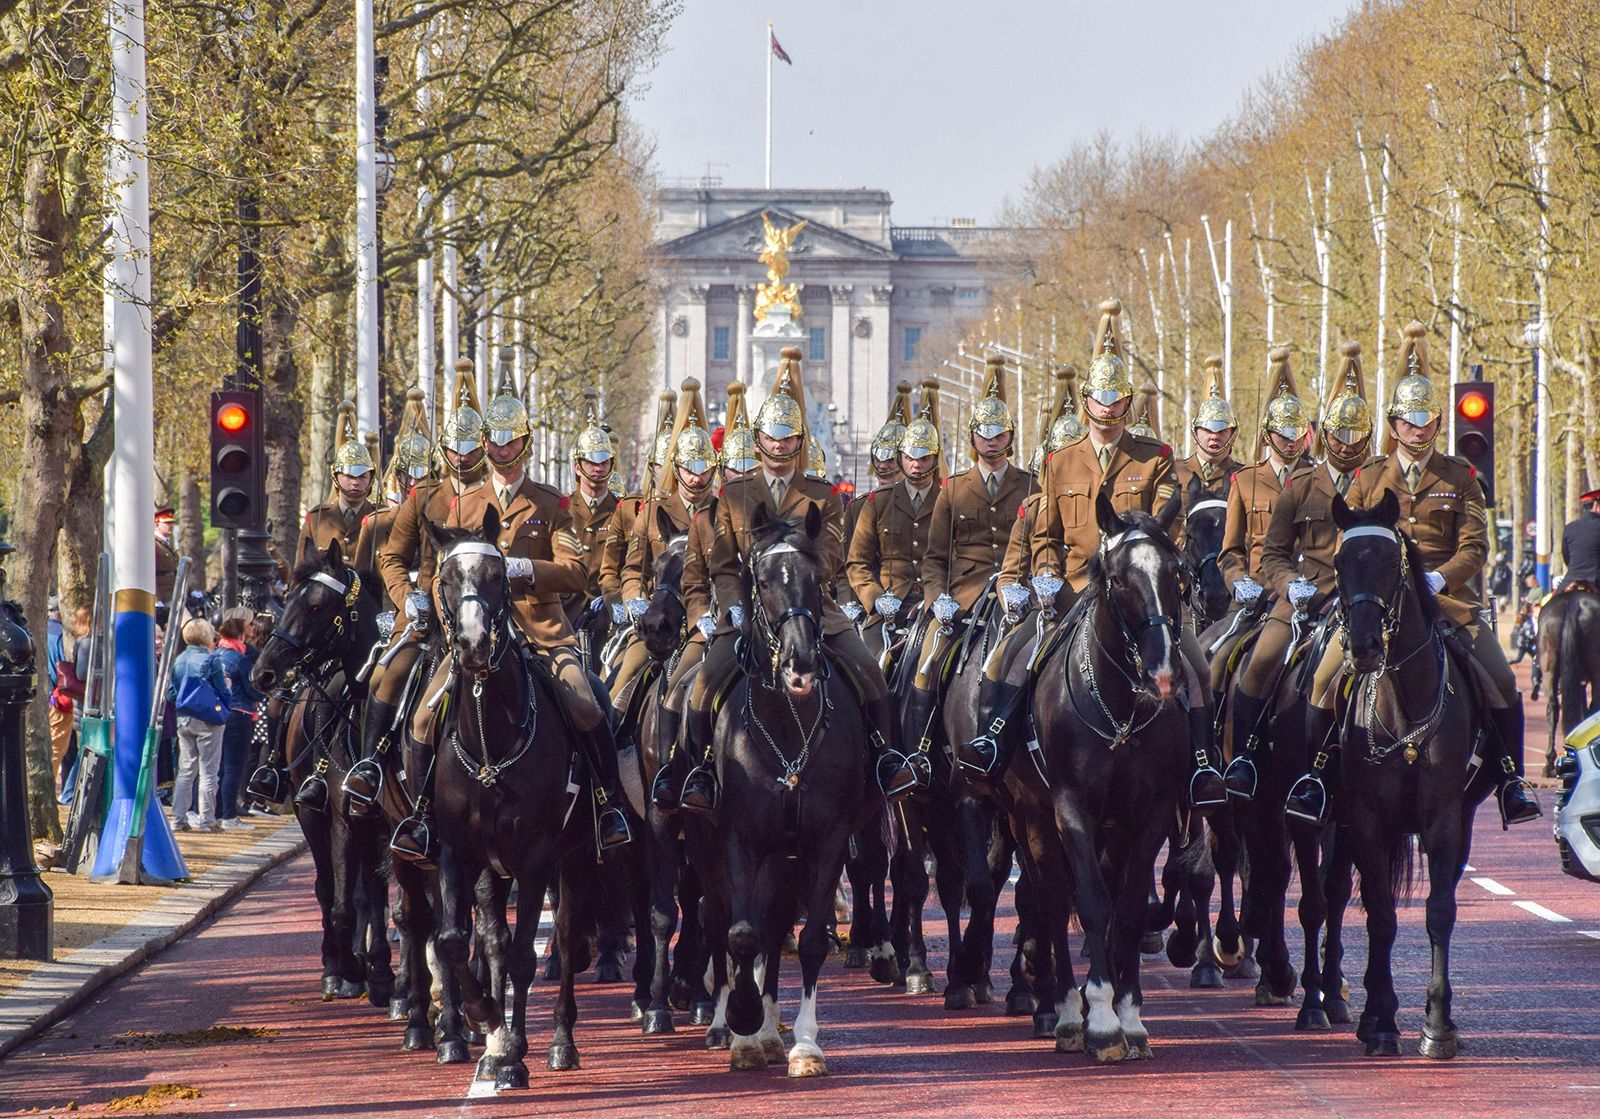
(947, 104)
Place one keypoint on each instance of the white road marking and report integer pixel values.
(1494, 887)
(1469, 868)
(481, 1089)
(1592, 934)
(1540, 911)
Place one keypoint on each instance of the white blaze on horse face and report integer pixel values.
(1144, 558)
(472, 623)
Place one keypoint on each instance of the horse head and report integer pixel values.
(470, 585)
(1202, 544)
(318, 615)
(784, 588)
(1140, 577)
(1371, 571)
(661, 626)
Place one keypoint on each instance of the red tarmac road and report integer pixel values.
(1526, 975)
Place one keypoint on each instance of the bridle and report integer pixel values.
(769, 629)
(1169, 622)
(496, 614)
(1192, 573)
(344, 623)
(1390, 608)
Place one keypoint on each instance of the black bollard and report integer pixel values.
(27, 909)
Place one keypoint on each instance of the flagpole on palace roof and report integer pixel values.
(766, 48)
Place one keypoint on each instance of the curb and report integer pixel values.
(56, 989)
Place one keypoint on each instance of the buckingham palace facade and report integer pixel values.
(877, 298)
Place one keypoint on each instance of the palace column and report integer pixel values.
(745, 294)
(695, 360)
(841, 373)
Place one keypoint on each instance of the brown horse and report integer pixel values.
(1569, 653)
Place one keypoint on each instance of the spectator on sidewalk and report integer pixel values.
(66, 689)
(237, 658)
(199, 740)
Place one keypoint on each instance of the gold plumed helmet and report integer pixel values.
(1215, 413)
(1109, 380)
(505, 420)
(816, 459)
(412, 446)
(1414, 399)
(886, 444)
(921, 437)
(350, 454)
(1348, 416)
(1286, 412)
(1068, 427)
(991, 415)
(691, 442)
(783, 413)
(1148, 410)
(462, 430)
(661, 446)
(594, 442)
(738, 440)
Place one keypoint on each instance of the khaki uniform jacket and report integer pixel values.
(1140, 477)
(645, 542)
(166, 570)
(1301, 536)
(1017, 567)
(619, 529)
(375, 528)
(886, 551)
(403, 549)
(1215, 483)
(842, 591)
(591, 526)
(968, 536)
(1250, 501)
(723, 565)
(1446, 519)
(697, 601)
(329, 521)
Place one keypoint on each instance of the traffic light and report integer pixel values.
(1474, 404)
(238, 467)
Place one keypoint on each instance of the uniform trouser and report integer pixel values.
(634, 657)
(933, 642)
(847, 648)
(1500, 683)
(694, 654)
(573, 692)
(1272, 646)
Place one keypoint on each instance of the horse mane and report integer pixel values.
(776, 531)
(1419, 584)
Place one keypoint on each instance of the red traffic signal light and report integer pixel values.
(233, 417)
(238, 470)
(1472, 405)
(1474, 401)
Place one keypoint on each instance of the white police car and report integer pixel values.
(1578, 807)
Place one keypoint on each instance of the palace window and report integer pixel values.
(720, 346)
(912, 338)
(819, 344)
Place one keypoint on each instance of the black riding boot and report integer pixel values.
(364, 783)
(1240, 776)
(1517, 802)
(664, 790)
(700, 790)
(600, 750)
(989, 754)
(313, 792)
(899, 773)
(1206, 790)
(1308, 796)
(415, 839)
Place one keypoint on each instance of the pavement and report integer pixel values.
(230, 1021)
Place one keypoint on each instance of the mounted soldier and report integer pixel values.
(892, 522)
(339, 518)
(591, 502)
(1061, 428)
(1442, 511)
(1215, 428)
(408, 468)
(620, 529)
(1580, 546)
(885, 456)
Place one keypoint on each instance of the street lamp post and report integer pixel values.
(366, 247)
(1534, 336)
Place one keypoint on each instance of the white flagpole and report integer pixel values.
(426, 337)
(366, 227)
(767, 47)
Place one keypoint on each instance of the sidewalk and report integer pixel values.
(103, 930)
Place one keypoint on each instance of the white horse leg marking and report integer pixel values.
(1069, 1012)
(1102, 1019)
(769, 1036)
(435, 975)
(1128, 1016)
(805, 1027)
(719, 1017)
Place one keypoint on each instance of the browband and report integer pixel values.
(1209, 503)
(472, 548)
(330, 582)
(778, 550)
(1124, 537)
(1371, 530)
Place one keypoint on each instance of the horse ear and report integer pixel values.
(1105, 514)
(333, 555)
(491, 524)
(664, 525)
(1389, 507)
(760, 518)
(814, 521)
(1341, 512)
(1168, 515)
(435, 534)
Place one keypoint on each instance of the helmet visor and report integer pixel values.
(1107, 397)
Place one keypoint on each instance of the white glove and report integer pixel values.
(705, 625)
(417, 605)
(1014, 596)
(1246, 590)
(945, 608)
(597, 604)
(519, 567)
(736, 616)
(1046, 587)
(888, 605)
(852, 610)
(619, 615)
(637, 607)
(1301, 591)
(1435, 581)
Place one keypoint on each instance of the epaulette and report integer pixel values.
(958, 474)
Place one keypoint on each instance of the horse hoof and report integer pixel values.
(919, 983)
(1139, 1049)
(959, 997)
(702, 1012)
(807, 1064)
(719, 1037)
(1044, 1023)
(1366, 1027)
(1383, 1045)
(399, 1010)
(855, 957)
(1440, 1047)
(885, 970)
(1225, 958)
(1205, 976)
(658, 1022)
(1151, 943)
(1338, 1012)
(1310, 1018)
(773, 1048)
(453, 1053)
(335, 988)
(1069, 1039)
(1246, 968)
(747, 1056)
(513, 1076)
(474, 1036)
(563, 1058)
(488, 1068)
(635, 1011)
(1107, 1049)
(1020, 1004)
(608, 970)
(417, 1039)
(1266, 996)
(682, 995)
(983, 991)
(1181, 946)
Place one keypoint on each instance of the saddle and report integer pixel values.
(1579, 585)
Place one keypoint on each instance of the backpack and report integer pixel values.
(196, 698)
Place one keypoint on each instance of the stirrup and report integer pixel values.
(897, 775)
(662, 794)
(267, 784)
(1240, 777)
(362, 786)
(1204, 800)
(1307, 800)
(1527, 807)
(414, 841)
(702, 799)
(313, 793)
(979, 756)
(611, 828)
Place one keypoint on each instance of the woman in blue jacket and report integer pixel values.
(199, 741)
(237, 659)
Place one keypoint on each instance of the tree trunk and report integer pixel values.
(285, 419)
(192, 528)
(49, 412)
(82, 536)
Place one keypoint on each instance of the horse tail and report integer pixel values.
(1402, 867)
(1567, 673)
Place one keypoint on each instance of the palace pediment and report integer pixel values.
(741, 239)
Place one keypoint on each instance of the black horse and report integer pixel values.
(507, 783)
(1569, 651)
(1093, 806)
(310, 665)
(791, 758)
(1406, 761)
